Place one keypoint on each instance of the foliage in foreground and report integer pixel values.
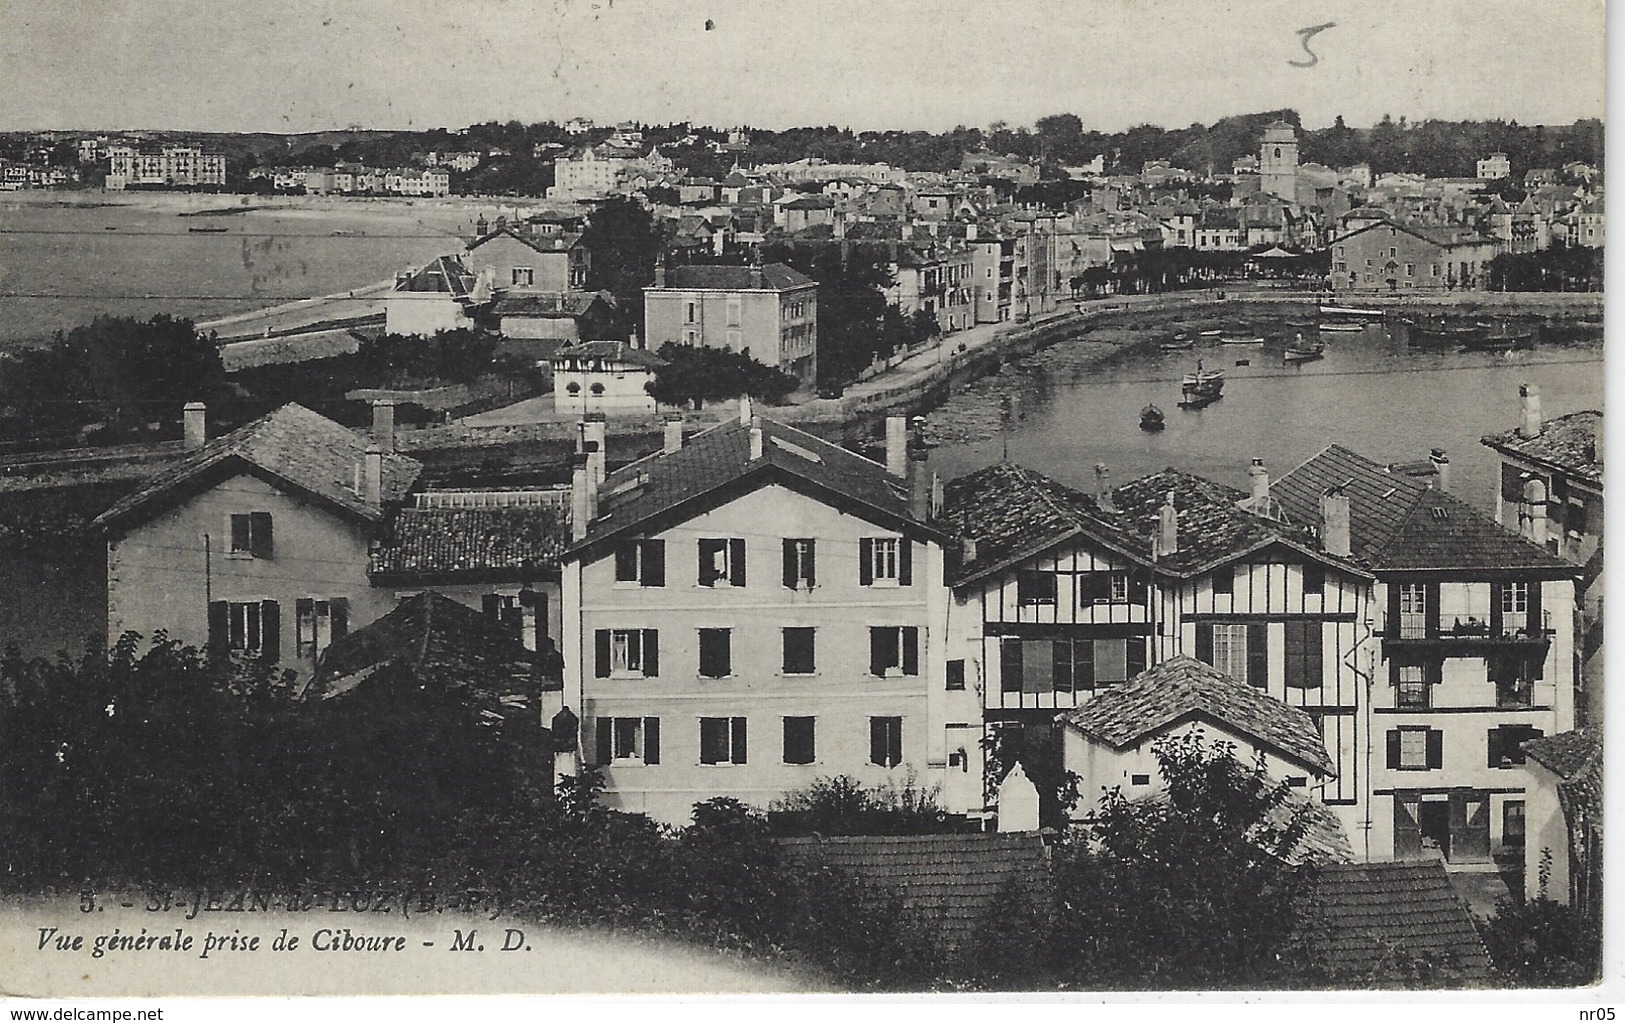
(1541, 943)
(693, 376)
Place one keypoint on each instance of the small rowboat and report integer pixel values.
(1341, 327)
(1340, 310)
(1177, 343)
(1304, 351)
(1151, 418)
(1242, 339)
(1211, 333)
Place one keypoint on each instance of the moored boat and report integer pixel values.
(1177, 343)
(1211, 333)
(1151, 418)
(1341, 327)
(1303, 351)
(206, 230)
(1202, 387)
(1343, 310)
(1241, 339)
(1498, 342)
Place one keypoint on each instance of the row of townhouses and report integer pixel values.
(750, 608)
(358, 179)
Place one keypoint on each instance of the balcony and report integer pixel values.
(1465, 634)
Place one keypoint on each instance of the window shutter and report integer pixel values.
(1136, 656)
(339, 620)
(790, 563)
(812, 562)
(1407, 832)
(1534, 608)
(1061, 654)
(1435, 749)
(601, 654)
(239, 533)
(714, 653)
(1495, 609)
(905, 562)
(879, 656)
(1393, 749)
(1492, 747)
(270, 630)
(1258, 655)
(651, 653)
(736, 562)
(911, 650)
(866, 562)
(304, 610)
(1083, 664)
(737, 731)
(651, 740)
(219, 630)
(877, 741)
(1314, 654)
(605, 754)
(1393, 609)
(626, 562)
(706, 575)
(260, 534)
(1204, 643)
(654, 562)
(491, 606)
(1432, 610)
(1010, 665)
(1136, 587)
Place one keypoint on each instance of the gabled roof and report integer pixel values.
(1567, 444)
(1014, 513)
(1182, 689)
(549, 243)
(1397, 523)
(448, 543)
(292, 448)
(444, 274)
(1441, 236)
(951, 882)
(442, 645)
(614, 351)
(1357, 914)
(569, 305)
(715, 465)
(770, 277)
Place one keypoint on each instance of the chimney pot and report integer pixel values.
(1532, 510)
(1260, 478)
(968, 549)
(1441, 468)
(1167, 528)
(744, 408)
(580, 497)
(594, 438)
(383, 423)
(1103, 488)
(919, 480)
(897, 445)
(755, 440)
(673, 433)
(1530, 395)
(194, 425)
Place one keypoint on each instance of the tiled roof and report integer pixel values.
(1212, 528)
(445, 274)
(448, 542)
(294, 447)
(1014, 513)
(614, 351)
(1397, 522)
(561, 242)
(1565, 754)
(1357, 914)
(1182, 688)
(570, 304)
(1567, 443)
(665, 483)
(951, 882)
(442, 645)
(770, 277)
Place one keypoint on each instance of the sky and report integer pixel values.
(304, 65)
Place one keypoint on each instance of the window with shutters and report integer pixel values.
(1033, 587)
(318, 621)
(626, 653)
(800, 563)
(886, 741)
(251, 535)
(800, 745)
(1110, 661)
(629, 740)
(1514, 678)
(1505, 744)
(1415, 749)
(1230, 650)
(799, 653)
(524, 276)
(1304, 653)
(1106, 588)
(722, 740)
(1069, 664)
(894, 650)
(641, 563)
(722, 562)
(716, 653)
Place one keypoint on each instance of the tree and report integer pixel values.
(1193, 888)
(1541, 943)
(694, 376)
(625, 245)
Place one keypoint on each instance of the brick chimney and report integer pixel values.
(383, 423)
(1334, 514)
(673, 433)
(1167, 528)
(373, 476)
(194, 425)
(1530, 402)
(581, 494)
(919, 479)
(1103, 488)
(755, 439)
(744, 408)
(1532, 510)
(1441, 468)
(1259, 477)
(594, 437)
(968, 550)
(897, 444)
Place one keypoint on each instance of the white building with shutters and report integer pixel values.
(753, 608)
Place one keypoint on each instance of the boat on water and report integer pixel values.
(1500, 342)
(1303, 351)
(1443, 335)
(1202, 387)
(1341, 327)
(206, 230)
(1241, 339)
(1151, 418)
(1177, 343)
(1343, 310)
(1195, 401)
(1211, 333)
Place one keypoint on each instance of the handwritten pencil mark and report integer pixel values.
(1308, 34)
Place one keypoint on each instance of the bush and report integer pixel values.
(694, 376)
(1542, 943)
(841, 805)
